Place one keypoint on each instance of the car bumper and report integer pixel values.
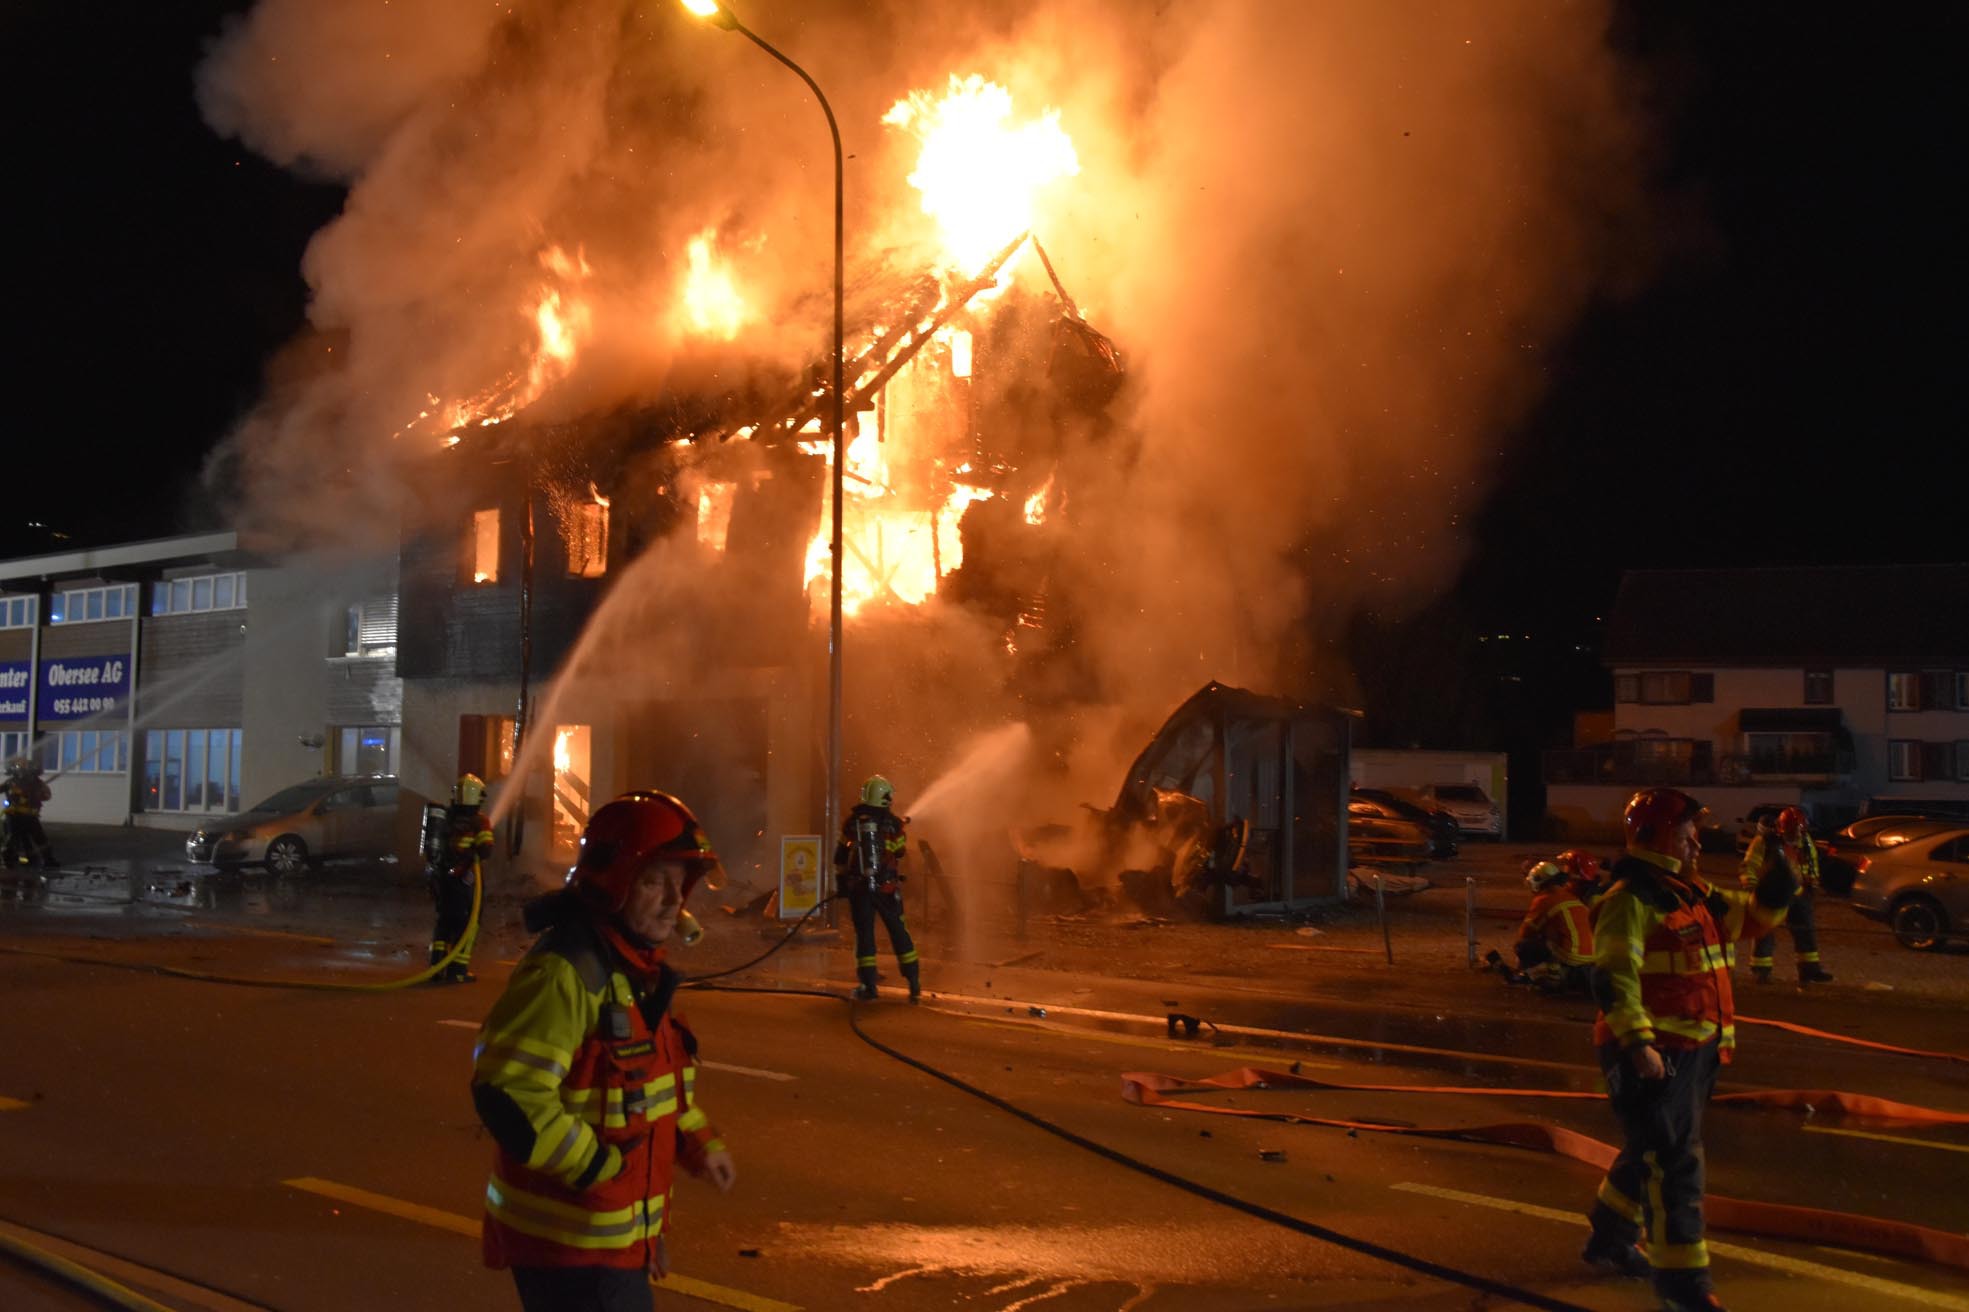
(213, 850)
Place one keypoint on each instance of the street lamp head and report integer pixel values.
(712, 12)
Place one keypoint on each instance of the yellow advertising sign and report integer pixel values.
(799, 874)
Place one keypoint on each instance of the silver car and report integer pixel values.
(1920, 888)
(332, 817)
(1468, 805)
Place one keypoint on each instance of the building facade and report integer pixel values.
(1829, 688)
(168, 681)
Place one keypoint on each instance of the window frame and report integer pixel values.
(1903, 690)
(1816, 677)
(64, 602)
(179, 596)
(482, 548)
(1910, 750)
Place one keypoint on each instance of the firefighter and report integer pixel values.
(26, 792)
(1661, 976)
(453, 872)
(868, 868)
(1555, 942)
(1585, 872)
(1788, 843)
(586, 1079)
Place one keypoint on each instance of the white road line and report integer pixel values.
(182, 1293)
(1888, 1138)
(460, 1024)
(746, 1070)
(1775, 1261)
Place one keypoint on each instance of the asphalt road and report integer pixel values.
(317, 1150)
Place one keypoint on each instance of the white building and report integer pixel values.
(1826, 687)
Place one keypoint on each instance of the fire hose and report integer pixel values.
(331, 986)
(1776, 1220)
(1309, 1229)
(101, 1286)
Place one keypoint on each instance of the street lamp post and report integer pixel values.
(714, 12)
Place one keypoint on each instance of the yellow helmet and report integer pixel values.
(877, 792)
(468, 791)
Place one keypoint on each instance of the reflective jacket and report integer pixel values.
(25, 795)
(1804, 861)
(1662, 947)
(1562, 920)
(588, 1089)
(467, 838)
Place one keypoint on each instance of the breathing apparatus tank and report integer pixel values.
(433, 833)
(868, 848)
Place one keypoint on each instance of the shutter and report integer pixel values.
(1935, 762)
(379, 623)
(1702, 687)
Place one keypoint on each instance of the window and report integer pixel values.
(366, 749)
(84, 751)
(485, 746)
(1818, 688)
(1962, 690)
(587, 539)
(1627, 687)
(191, 770)
(81, 605)
(17, 613)
(14, 744)
(203, 592)
(1937, 689)
(482, 547)
(1937, 760)
(1962, 759)
(572, 744)
(368, 628)
(1956, 849)
(1903, 692)
(1903, 760)
(1676, 687)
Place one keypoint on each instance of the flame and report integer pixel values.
(711, 304)
(563, 756)
(1036, 503)
(714, 514)
(980, 173)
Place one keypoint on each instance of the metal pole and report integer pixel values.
(1470, 918)
(833, 805)
(1381, 914)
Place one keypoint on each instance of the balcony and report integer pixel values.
(1673, 761)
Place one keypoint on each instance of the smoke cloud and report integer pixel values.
(1333, 241)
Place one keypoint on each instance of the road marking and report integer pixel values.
(1888, 1138)
(460, 1024)
(1132, 1041)
(469, 1227)
(183, 1293)
(12, 1105)
(1775, 1261)
(745, 1070)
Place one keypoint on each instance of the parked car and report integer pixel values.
(1467, 804)
(1920, 888)
(1384, 805)
(1936, 808)
(1374, 839)
(338, 816)
(1866, 838)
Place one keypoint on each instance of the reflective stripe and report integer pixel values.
(1657, 1210)
(1709, 957)
(1619, 1203)
(564, 1148)
(908, 958)
(1680, 1257)
(864, 961)
(693, 1120)
(1700, 1031)
(561, 1223)
(613, 1107)
(490, 1058)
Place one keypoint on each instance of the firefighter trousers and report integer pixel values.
(1653, 1191)
(584, 1289)
(1804, 934)
(863, 906)
(452, 894)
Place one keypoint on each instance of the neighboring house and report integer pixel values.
(1820, 686)
(164, 681)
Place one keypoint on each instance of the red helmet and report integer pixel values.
(1584, 867)
(625, 835)
(1791, 823)
(1653, 811)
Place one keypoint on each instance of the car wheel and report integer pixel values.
(287, 855)
(1920, 923)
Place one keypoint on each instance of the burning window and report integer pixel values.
(571, 766)
(482, 546)
(587, 543)
(714, 514)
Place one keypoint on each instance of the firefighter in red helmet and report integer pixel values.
(1788, 842)
(586, 1079)
(1555, 942)
(1585, 873)
(1662, 939)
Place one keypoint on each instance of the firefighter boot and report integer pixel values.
(914, 974)
(1811, 972)
(1617, 1259)
(864, 993)
(1763, 974)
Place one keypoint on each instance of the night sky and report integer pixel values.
(1780, 387)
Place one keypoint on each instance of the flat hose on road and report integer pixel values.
(319, 985)
(97, 1286)
(1311, 1230)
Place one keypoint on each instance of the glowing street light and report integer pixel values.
(715, 13)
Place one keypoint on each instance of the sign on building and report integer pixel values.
(79, 687)
(799, 874)
(16, 678)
